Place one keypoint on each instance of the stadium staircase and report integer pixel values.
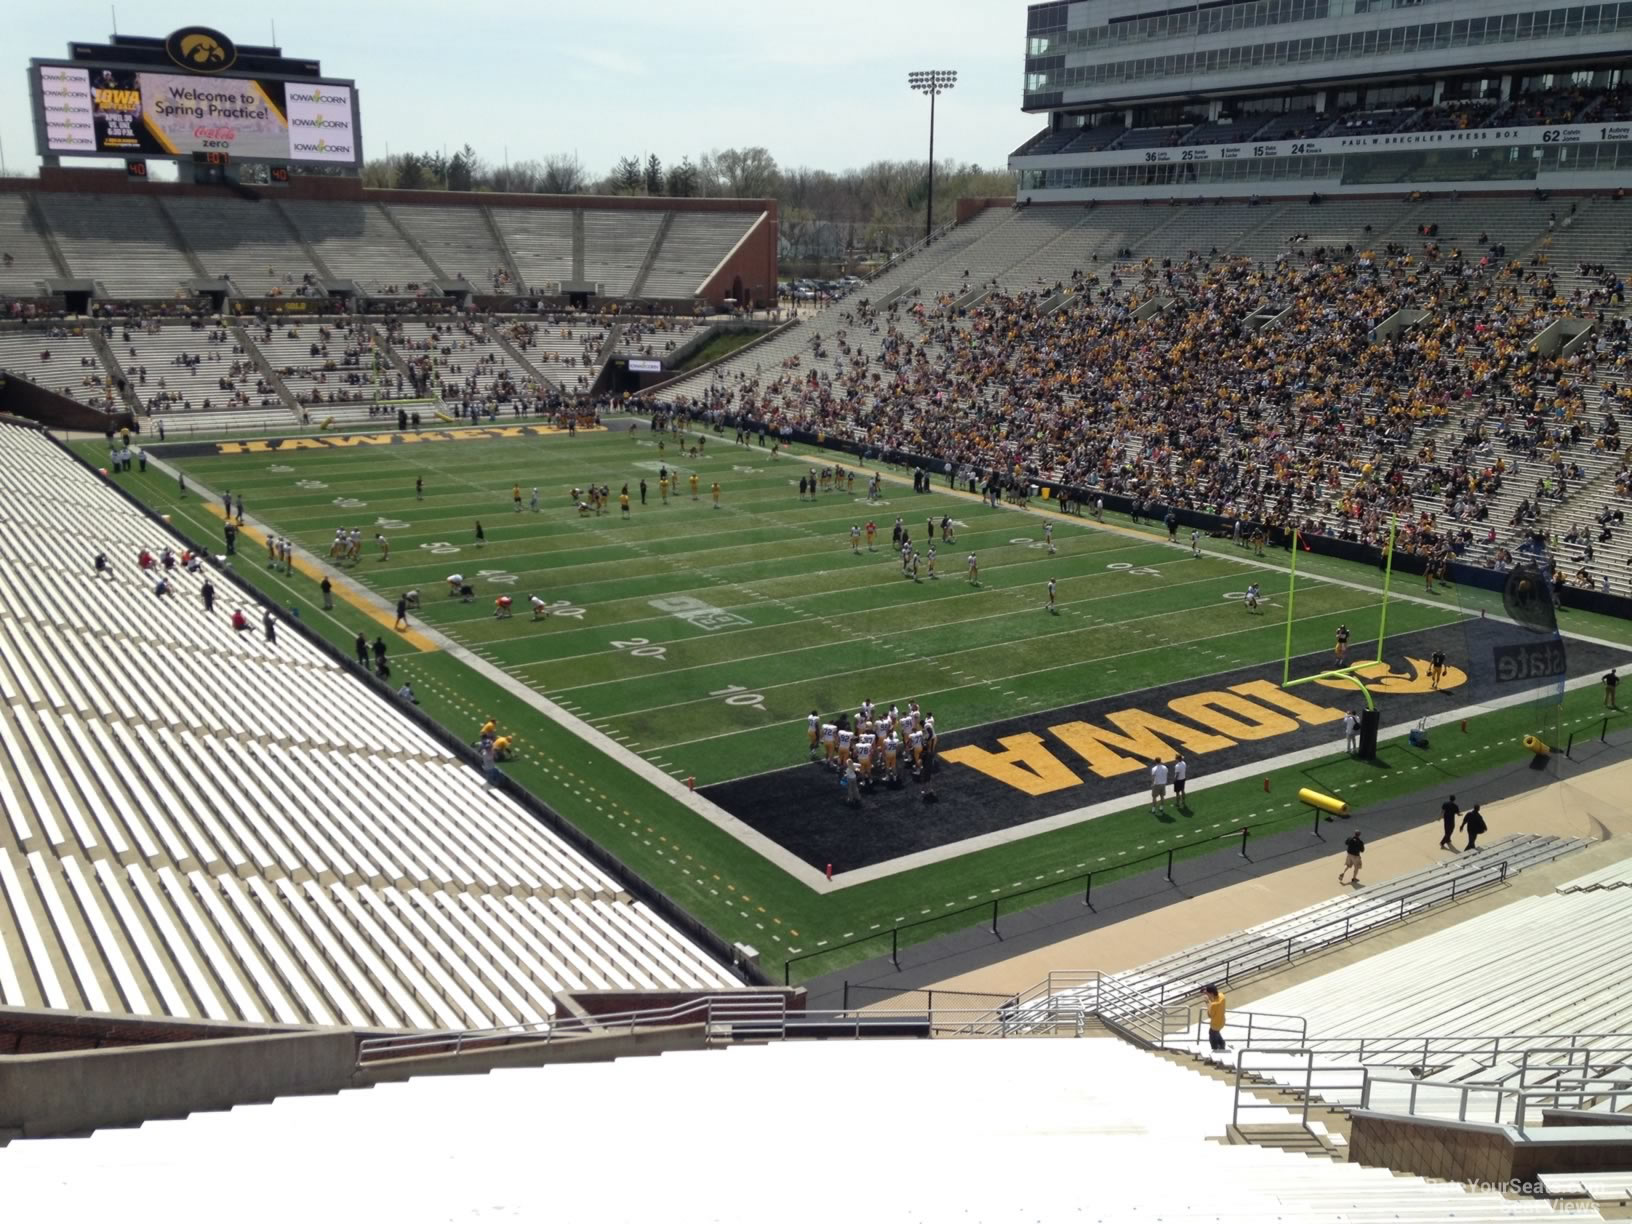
(578, 259)
(638, 285)
(414, 243)
(167, 222)
(42, 230)
(241, 334)
(393, 358)
(306, 247)
(1095, 1130)
(111, 363)
(518, 282)
(515, 352)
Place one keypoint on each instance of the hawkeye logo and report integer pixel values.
(1381, 678)
(201, 49)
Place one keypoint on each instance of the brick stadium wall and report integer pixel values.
(749, 271)
(22, 397)
(970, 207)
(45, 1032)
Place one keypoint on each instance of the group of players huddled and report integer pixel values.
(875, 745)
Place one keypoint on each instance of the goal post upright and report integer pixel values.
(1388, 578)
(1291, 594)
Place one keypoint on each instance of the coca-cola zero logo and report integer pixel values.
(215, 133)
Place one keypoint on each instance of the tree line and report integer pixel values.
(824, 214)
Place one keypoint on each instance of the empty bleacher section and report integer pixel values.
(251, 244)
(178, 368)
(616, 244)
(459, 240)
(692, 248)
(654, 337)
(461, 362)
(329, 363)
(202, 823)
(1056, 1117)
(1139, 998)
(122, 242)
(566, 351)
(61, 361)
(25, 260)
(540, 240)
(1475, 1002)
(358, 242)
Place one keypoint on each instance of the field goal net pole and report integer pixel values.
(1352, 673)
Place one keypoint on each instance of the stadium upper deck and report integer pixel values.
(1293, 97)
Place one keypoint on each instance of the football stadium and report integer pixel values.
(492, 674)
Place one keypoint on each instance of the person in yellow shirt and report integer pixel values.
(501, 748)
(663, 489)
(488, 728)
(623, 501)
(694, 486)
(1215, 1016)
(515, 496)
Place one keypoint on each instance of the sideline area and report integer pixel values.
(1591, 804)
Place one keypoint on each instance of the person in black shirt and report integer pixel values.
(362, 652)
(1352, 850)
(1436, 669)
(1473, 824)
(1610, 681)
(1448, 813)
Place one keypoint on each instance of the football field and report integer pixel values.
(687, 642)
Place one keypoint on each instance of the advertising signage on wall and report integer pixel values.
(1337, 144)
(125, 111)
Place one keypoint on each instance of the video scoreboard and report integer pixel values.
(187, 95)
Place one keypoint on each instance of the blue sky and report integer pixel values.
(818, 82)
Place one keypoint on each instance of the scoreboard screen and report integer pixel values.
(87, 110)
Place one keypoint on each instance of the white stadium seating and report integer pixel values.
(30, 264)
(1092, 1130)
(72, 368)
(120, 241)
(459, 240)
(693, 248)
(250, 243)
(203, 824)
(358, 242)
(615, 246)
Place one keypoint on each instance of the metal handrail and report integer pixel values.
(1425, 1051)
(711, 1009)
(897, 260)
(1258, 1024)
(1307, 1066)
(1338, 930)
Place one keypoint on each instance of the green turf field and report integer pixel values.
(700, 637)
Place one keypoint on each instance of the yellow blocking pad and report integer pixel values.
(1536, 746)
(1325, 803)
(343, 588)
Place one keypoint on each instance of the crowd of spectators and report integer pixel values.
(1259, 391)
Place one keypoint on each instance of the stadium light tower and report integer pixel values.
(934, 83)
